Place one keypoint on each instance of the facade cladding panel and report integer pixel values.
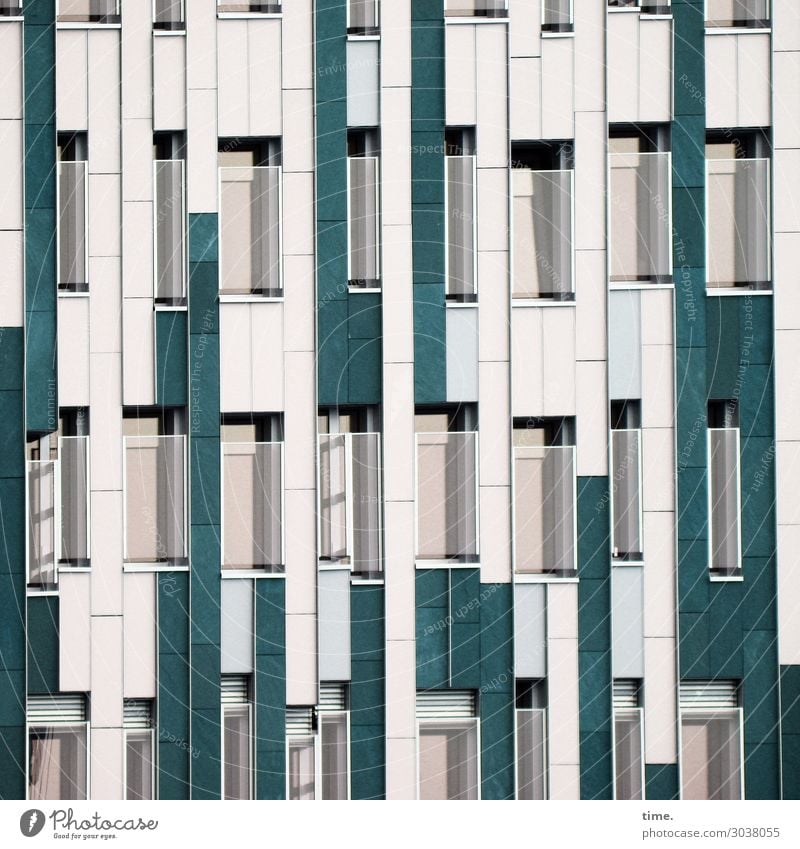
(396, 400)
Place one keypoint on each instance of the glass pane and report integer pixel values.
(531, 763)
(138, 765)
(333, 741)
(41, 522)
(628, 752)
(470, 8)
(333, 496)
(252, 504)
(448, 761)
(460, 225)
(250, 231)
(169, 230)
(542, 233)
(626, 469)
(88, 10)
(446, 495)
(640, 237)
(168, 12)
(556, 13)
(74, 456)
(236, 768)
(57, 767)
(363, 220)
(363, 16)
(264, 8)
(154, 498)
(738, 223)
(710, 755)
(544, 508)
(301, 768)
(72, 271)
(366, 506)
(723, 452)
(737, 13)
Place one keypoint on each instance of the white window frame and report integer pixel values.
(86, 24)
(184, 269)
(17, 16)
(65, 293)
(31, 726)
(618, 561)
(155, 566)
(248, 706)
(473, 18)
(630, 710)
(551, 576)
(421, 562)
(474, 158)
(704, 711)
(562, 33)
(712, 575)
(151, 732)
(366, 37)
(710, 30)
(223, 15)
(256, 570)
(183, 21)
(378, 244)
(315, 737)
(546, 745)
(456, 722)
(225, 297)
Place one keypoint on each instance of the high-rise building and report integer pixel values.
(399, 399)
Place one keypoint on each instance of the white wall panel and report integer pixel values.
(73, 347)
(655, 69)
(138, 351)
(298, 130)
(658, 408)
(237, 625)
(400, 574)
(169, 83)
(461, 354)
(590, 184)
(298, 40)
(524, 27)
(298, 220)
(137, 62)
(104, 101)
(590, 308)
(11, 156)
(491, 49)
(104, 215)
(622, 66)
(558, 361)
(527, 379)
(493, 306)
(11, 72)
(401, 700)
(74, 632)
(107, 779)
(266, 355)
(660, 710)
(137, 175)
(201, 165)
(107, 666)
(301, 660)
(264, 77)
(754, 77)
(592, 413)
(495, 534)
(299, 303)
(558, 88)
(107, 541)
(300, 529)
(395, 161)
(398, 333)
(72, 79)
(105, 305)
(788, 595)
(396, 44)
(235, 347)
(460, 76)
(300, 421)
(106, 441)
(12, 287)
(525, 104)
(659, 574)
(140, 635)
(398, 431)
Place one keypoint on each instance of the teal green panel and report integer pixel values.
(661, 781)
(725, 632)
(597, 780)
(367, 623)
(688, 152)
(173, 613)
(368, 767)
(204, 288)
(688, 61)
(690, 301)
(12, 437)
(790, 728)
(40, 259)
(758, 497)
(270, 689)
(12, 754)
(171, 368)
(430, 380)
(364, 371)
(759, 599)
(11, 358)
(594, 528)
(12, 624)
(762, 772)
(756, 328)
(204, 385)
(693, 583)
(594, 607)
(761, 698)
(40, 181)
(331, 262)
(497, 745)
(465, 655)
(693, 501)
(205, 676)
(206, 757)
(757, 402)
(364, 311)
(428, 256)
(205, 569)
(722, 347)
(13, 525)
(497, 638)
(43, 645)
(688, 220)
(203, 237)
(204, 464)
(432, 588)
(333, 345)
(693, 642)
(595, 690)
(790, 757)
(12, 703)
(432, 632)
(40, 380)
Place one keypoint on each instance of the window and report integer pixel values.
(363, 180)
(544, 496)
(626, 461)
(252, 494)
(169, 212)
(476, 8)
(58, 499)
(363, 17)
(139, 749)
(73, 187)
(557, 16)
(155, 487)
(272, 8)
(649, 7)
(10, 8)
(531, 710)
(737, 13)
(447, 485)
(461, 272)
(89, 11)
(250, 178)
(237, 737)
(738, 216)
(318, 747)
(711, 740)
(542, 180)
(168, 15)
(58, 751)
(628, 739)
(640, 238)
(448, 744)
(350, 490)
(724, 487)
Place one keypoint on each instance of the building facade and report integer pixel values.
(397, 399)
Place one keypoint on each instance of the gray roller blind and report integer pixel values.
(709, 694)
(59, 708)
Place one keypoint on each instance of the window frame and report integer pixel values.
(238, 706)
(378, 241)
(366, 35)
(320, 716)
(170, 26)
(662, 8)
(89, 22)
(232, 297)
(36, 726)
(545, 745)
(713, 574)
(501, 16)
(232, 15)
(761, 25)
(453, 722)
(622, 560)
(639, 711)
(233, 572)
(63, 292)
(451, 298)
(184, 235)
(13, 14)
(153, 753)
(705, 711)
(548, 30)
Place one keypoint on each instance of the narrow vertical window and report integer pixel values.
(252, 8)
(73, 242)
(169, 210)
(237, 736)
(89, 11)
(628, 739)
(139, 749)
(460, 214)
(724, 487)
(531, 711)
(250, 177)
(252, 493)
(168, 14)
(711, 740)
(447, 484)
(301, 754)
(544, 496)
(626, 484)
(476, 8)
(334, 732)
(10, 8)
(363, 177)
(58, 752)
(737, 13)
(557, 15)
(363, 17)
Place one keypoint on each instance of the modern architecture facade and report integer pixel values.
(398, 399)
